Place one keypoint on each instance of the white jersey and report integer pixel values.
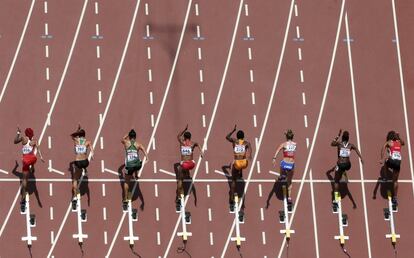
(27, 148)
(344, 151)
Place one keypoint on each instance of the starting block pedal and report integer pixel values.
(335, 207)
(387, 213)
(74, 205)
(178, 206)
(187, 217)
(134, 214)
(125, 206)
(289, 206)
(23, 207)
(282, 217)
(232, 207)
(345, 220)
(83, 215)
(241, 217)
(32, 220)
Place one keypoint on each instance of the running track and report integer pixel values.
(314, 67)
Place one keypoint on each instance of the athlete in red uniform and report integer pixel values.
(391, 156)
(30, 146)
(187, 161)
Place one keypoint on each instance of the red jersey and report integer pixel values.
(395, 150)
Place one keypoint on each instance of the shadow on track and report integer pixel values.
(183, 249)
(384, 183)
(31, 183)
(188, 184)
(83, 182)
(136, 194)
(276, 190)
(240, 184)
(343, 187)
(133, 251)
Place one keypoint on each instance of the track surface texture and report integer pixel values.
(312, 66)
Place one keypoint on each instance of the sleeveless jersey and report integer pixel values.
(395, 150)
(132, 158)
(186, 149)
(80, 148)
(239, 148)
(344, 150)
(27, 148)
(289, 150)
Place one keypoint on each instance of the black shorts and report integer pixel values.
(394, 164)
(132, 170)
(80, 164)
(344, 166)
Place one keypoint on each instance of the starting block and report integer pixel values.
(132, 216)
(342, 219)
(30, 221)
(238, 239)
(284, 215)
(185, 219)
(388, 215)
(81, 215)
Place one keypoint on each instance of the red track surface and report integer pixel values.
(157, 66)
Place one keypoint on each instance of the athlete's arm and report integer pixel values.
(401, 141)
(384, 147)
(179, 136)
(196, 145)
(249, 150)
(358, 153)
(38, 151)
(278, 150)
(335, 141)
(18, 137)
(141, 147)
(124, 139)
(90, 149)
(228, 136)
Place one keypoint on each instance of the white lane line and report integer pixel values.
(6, 82)
(149, 53)
(251, 76)
(206, 166)
(149, 75)
(50, 189)
(328, 81)
(198, 31)
(45, 7)
(104, 213)
(155, 166)
(199, 53)
(151, 98)
(108, 104)
(103, 190)
(146, 9)
(147, 30)
(208, 191)
(201, 75)
(46, 29)
(211, 238)
(49, 142)
(96, 8)
(315, 223)
(248, 31)
(47, 51)
(157, 214)
(102, 166)
(153, 144)
(4, 171)
(202, 98)
(101, 142)
(249, 53)
(197, 13)
(52, 237)
(100, 119)
(105, 237)
(263, 237)
(98, 52)
(156, 190)
(269, 107)
(261, 214)
(48, 96)
(302, 80)
(152, 120)
(258, 166)
(254, 121)
(300, 54)
(51, 213)
(297, 32)
(209, 215)
(260, 190)
(361, 169)
(47, 74)
(204, 120)
(167, 172)
(97, 29)
(246, 9)
(407, 129)
(296, 10)
(303, 98)
(98, 73)
(212, 116)
(54, 100)
(158, 238)
(307, 142)
(253, 99)
(100, 97)
(305, 118)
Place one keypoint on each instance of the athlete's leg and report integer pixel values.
(127, 181)
(180, 177)
(395, 176)
(25, 176)
(75, 178)
(289, 182)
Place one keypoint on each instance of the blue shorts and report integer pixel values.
(286, 166)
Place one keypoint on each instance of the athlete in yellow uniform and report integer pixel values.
(242, 151)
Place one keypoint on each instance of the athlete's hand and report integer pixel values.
(18, 130)
(235, 127)
(340, 132)
(362, 161)
(41, 158)
(186, 127)
(381, 161)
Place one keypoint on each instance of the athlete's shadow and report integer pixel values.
(84, 185)
(133, 186)
(343, 187)
(188, 183)
(31, 183)
(240, 183)
(384, 183)
(276, 190)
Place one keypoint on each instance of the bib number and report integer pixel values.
(290, 147)
(396, 155)
(27, 150)
(132, 156)
(186, 151)
(344, 153)
(239, 149)
(80, 148)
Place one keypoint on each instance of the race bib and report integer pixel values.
(80, 149)
(290, 147)
(239, 148)
(186, 150)
(27, 149)
(396, 155)
(345, 153)
(132, 156)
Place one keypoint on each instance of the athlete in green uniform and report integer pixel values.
(132, 161)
